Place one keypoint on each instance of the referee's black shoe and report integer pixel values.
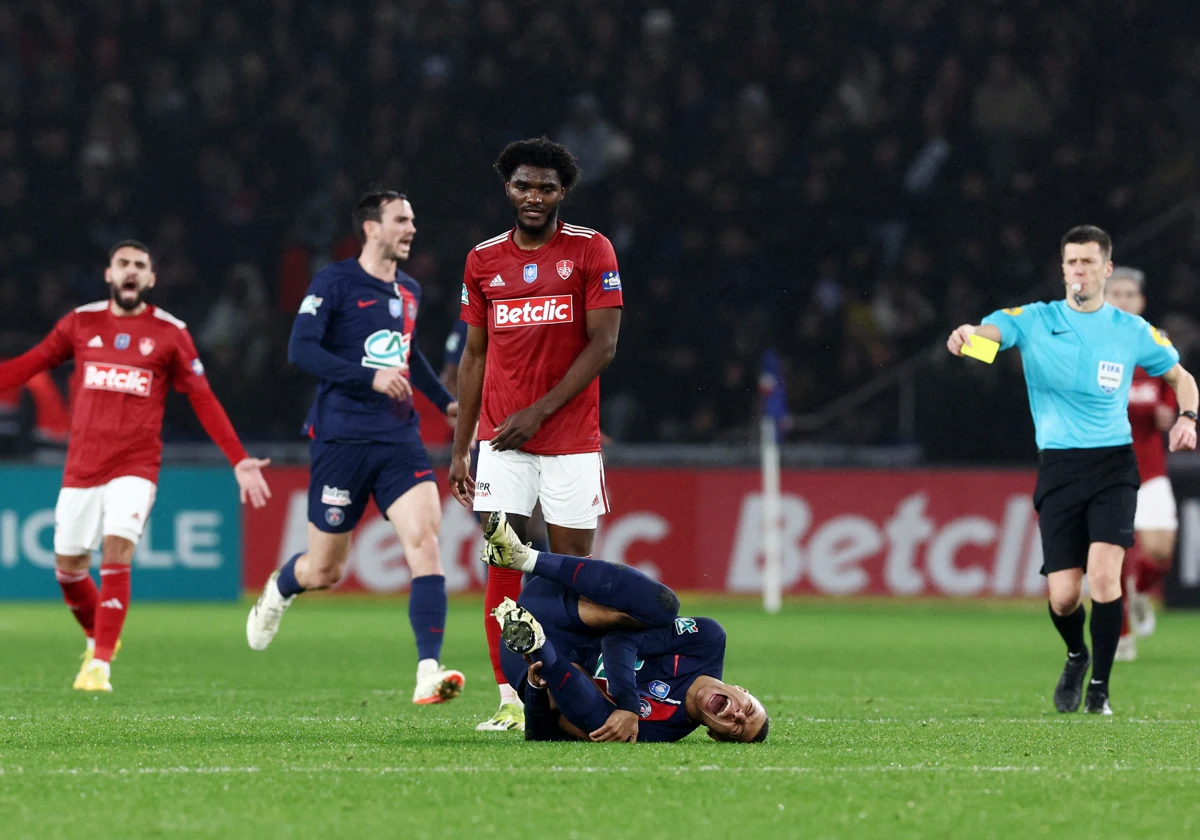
(1097, 699)
(1069, 691)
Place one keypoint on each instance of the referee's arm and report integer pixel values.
(1183, 433)
(962, 336)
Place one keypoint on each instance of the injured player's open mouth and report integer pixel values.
(718, 704)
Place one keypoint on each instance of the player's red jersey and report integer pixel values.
(534, 305)
(1145, 395)
(123, 367)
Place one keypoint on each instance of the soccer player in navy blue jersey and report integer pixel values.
(599, 652)
(356, 332)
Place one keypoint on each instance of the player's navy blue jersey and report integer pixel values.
(349, 326)
(455, 342)
(663, 662)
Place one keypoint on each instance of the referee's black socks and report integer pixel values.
(1106, 632)
(1070, 627)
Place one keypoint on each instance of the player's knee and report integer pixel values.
(421, 551)
(1065, 603)
(1104, 583)
(668, 602)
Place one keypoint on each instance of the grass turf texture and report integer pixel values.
(888, 720)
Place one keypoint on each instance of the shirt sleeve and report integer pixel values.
(423, 378)
(1156, 353)
(1012, 323)
(620, 651)
(601, 277)
(50, 352)
(474, 307)
(187, 375)
(305, 350)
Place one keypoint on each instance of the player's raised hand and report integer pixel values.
(462, 486)
(958, 338)
(517, 429)
(251, 484)
(393, 383)
(1183, 435)
(621, 726)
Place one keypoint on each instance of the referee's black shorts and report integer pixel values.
(1084, 496)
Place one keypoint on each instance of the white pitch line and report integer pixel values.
(585, 769)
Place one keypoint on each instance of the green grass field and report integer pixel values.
(889, 720)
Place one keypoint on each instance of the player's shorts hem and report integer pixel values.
(587, 524)
(124, 534)
(488, 507)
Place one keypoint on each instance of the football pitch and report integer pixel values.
(888, 720)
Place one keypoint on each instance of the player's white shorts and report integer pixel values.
(1156, 506)
(571, 487)
(85, 515)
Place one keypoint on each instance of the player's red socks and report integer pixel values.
(501, 584)
(81, 595)
(114, 603)
(1150, 575)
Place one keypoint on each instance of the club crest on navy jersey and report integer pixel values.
(396, 307)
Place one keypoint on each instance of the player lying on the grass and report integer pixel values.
(609, 658)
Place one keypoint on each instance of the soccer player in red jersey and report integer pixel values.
(1152, 411)
(127, 352)
(542, 304)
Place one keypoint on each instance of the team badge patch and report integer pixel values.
(611, 281)
(121, 342)
(335, 516)
(565, 267)
(197, 367)
(465, 299)
(396, 307)
(659, 689)
(312, 303)
(146, 346)
(530, 272)
(644, 708)
(1109, 375)
(412, 312)
(1160, 338)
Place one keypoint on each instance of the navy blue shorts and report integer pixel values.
(343, 475)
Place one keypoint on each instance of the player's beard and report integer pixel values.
(125, 304)
(548, 220)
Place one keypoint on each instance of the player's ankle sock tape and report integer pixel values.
(578, 698)
(1106, 633)
(610, 585)
(1070, 627)
(427, 614)
(286, 582)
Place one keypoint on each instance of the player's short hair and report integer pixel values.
(1133, 275)
(1083, 234)
(543, 153)
(370, 209)
(762, 733)
(129, 243)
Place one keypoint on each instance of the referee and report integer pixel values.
(1079, 355)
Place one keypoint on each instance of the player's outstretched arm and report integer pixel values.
(962, 336)
(470, 398)
(1183, 433)
(603, 326)
(50, 352)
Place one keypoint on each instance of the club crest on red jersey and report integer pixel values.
(121, 342)
(146, 346)
(565, 267)
(530, 272)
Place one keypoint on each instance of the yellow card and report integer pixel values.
(983, 349)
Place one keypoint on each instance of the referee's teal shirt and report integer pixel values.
(1078, 368)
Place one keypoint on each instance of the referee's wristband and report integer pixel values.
(1191, 415)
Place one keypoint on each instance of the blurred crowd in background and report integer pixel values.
(840, 180)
